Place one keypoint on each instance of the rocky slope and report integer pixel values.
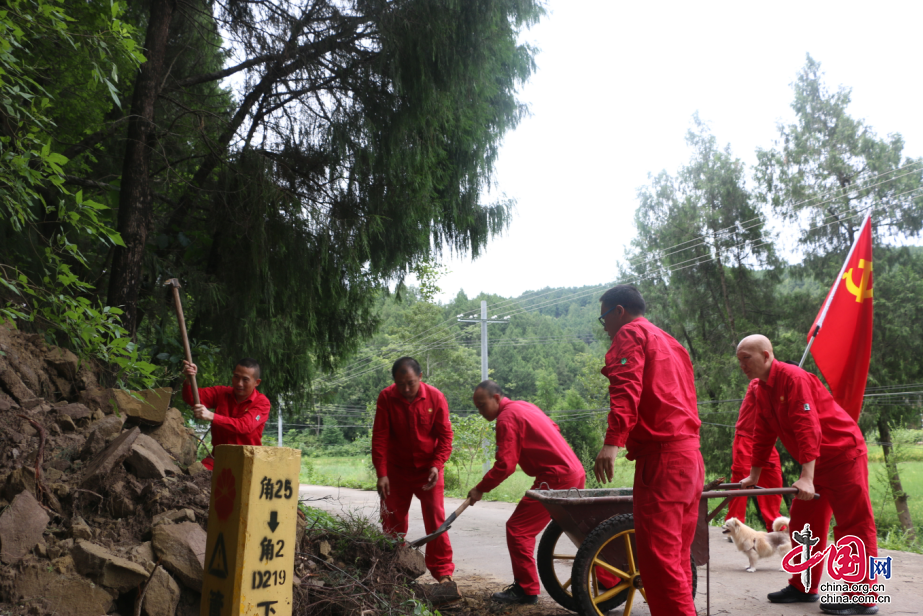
(101, 498)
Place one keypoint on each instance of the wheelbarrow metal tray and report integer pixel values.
(578, 512)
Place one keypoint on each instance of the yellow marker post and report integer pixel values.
(250, 551)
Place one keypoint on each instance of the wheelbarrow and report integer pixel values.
(600, 524)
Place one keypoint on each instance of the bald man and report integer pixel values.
(794, 406)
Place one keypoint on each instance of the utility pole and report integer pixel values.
(484, 321)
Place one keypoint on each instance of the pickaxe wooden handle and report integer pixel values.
(174, 283)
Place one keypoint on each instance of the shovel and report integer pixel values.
(444, 527)
(174, 284)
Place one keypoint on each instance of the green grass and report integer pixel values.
(890, 533)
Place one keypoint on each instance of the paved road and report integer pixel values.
(479, 543)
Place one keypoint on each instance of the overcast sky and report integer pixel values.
(616, 88)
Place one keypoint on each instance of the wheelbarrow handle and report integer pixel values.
(751, 492)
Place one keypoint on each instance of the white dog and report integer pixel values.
(757, 544)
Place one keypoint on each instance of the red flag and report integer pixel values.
(843, 346)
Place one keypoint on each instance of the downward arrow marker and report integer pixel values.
(273, 521)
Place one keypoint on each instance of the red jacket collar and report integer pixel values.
(773, 372)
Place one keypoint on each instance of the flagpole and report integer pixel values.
(836, 284)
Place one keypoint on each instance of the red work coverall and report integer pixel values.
(771, 477)
(235, 423)
(529, 438)
(653, 414)
(407, 440)
(795, 407)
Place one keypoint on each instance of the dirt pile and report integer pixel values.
(101, 500)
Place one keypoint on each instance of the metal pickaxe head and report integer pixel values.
(173, 282)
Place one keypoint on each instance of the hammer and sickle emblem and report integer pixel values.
(861, 291)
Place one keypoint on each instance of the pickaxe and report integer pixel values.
(174, 283)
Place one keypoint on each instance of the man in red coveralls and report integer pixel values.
(740, 465)
(529, 438)
(653, 414)
(794, 406)
(411, 442)
(240, 410)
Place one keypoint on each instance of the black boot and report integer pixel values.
(790, 594)
(514, 594)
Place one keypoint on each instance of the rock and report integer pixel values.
(18, 481)
(144, 464)
(175, 437)
(66, 423)
(410, 562)
(64, 388)
(14, 385)
(324, 549)
(60, 594)
(21, 527)
(96, 398)
(143, 554)
(121, 504)
(61, 464)
(80, 529)
(110, 457)
(174, 517)
(99, 435)
(437, 594)
(181, 549)
(99, 564)
(195, 468)
(162, 595)
(7, 403)
(63, 362)
(79, 413)
(32, 403)
(152, 407)
(161, 454)
(60, 490)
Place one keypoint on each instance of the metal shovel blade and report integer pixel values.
(442, 527)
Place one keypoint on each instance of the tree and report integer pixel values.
(828, 169)
(361, 141)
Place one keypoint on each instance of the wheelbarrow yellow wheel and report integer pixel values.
(610, 551)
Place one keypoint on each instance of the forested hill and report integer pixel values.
(552, 338)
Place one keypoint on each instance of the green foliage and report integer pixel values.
(428, 273)
(474, 445)
(332, 435)
(583, 432)
(419, 608)
(46, 289)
